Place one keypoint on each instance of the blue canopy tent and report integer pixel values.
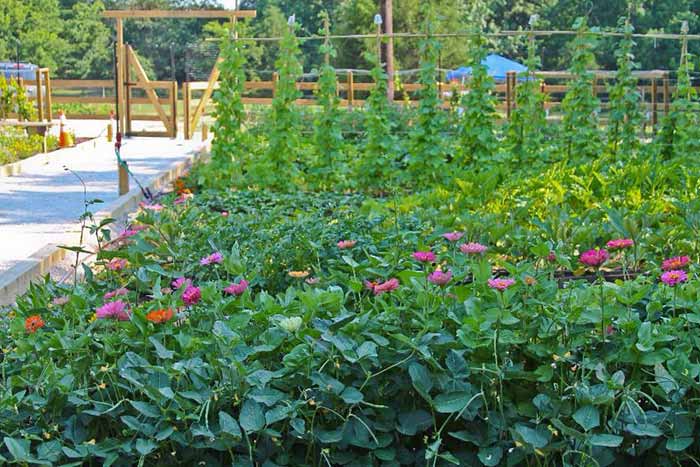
(496, 65)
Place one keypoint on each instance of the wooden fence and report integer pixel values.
(655, 87)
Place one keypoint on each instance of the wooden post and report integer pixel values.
(275, 79)
(389, 48)
(20, 83)
(509, 92)
(39, 98)
(205, 132)
(123, 180)
(186, 108)
(127, 94)
(654, 105)
(173, 114)
(120, 72)
(667, 100)
(47, 83)
(351, 90)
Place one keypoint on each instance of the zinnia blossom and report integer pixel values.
(472, 248)
(180, 281)
(160, 316)
(677, 262)
(529, 280)
(312, 280)
(298, 274)
(620, 244)
(183, 198)
(151, 207)
(113, 310)
(379, 288)
(191, 295)
(117, 264)
(62, 300)
(214, 258)
(439, 277)
(501, 283)
(594, 258)
(552, 256)
(237, 289)
(424, 256)
(126, 233)
(116, 293)
(453, 236)
(346, 244)
(33, 323)
(674, 277)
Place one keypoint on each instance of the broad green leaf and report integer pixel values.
(587, 417)
(229, 424)
(252, 418)
(421, 378)
(644, 429)
(452, 402)
(19, 448)
(490, 457)
(678, 444)
(537, 437)
(606, 440)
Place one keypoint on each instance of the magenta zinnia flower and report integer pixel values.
(117, 264)
(191, 295)
(183, 198)
(379, 288)
(424, 256)
(620, 244)
(501, 283)
(472, 248)
(113, 310)
(180, 281)
(439, 277)
(151, 207)
(677, 262)
(237, 289)
(674, 277)
(345, 244)
(214, 258)
(594, 258)
(453, 236)
(116, 293)
(552, 256)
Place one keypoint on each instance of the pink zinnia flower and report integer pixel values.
(594, 258)
(501, 283)
(676, 262)
(224, 213)
(620, 243)
(472, 248)
(674, 277)
(58, 301)
(191, 295)
(151, 207)
(424, 256)
(379, 288)
(453, 236)
(183, 198)
(128, 233)
(552, 256)
(312, 280)
(439, 277)
(346, 244)
(237, 289)
(116, 293)
(113, 310)
(214, 258)
(117, 264)
(180, 281)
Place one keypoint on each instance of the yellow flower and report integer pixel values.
(298, 274)
(102, 385)
(92, 318)
(46, 435)
(104, 368)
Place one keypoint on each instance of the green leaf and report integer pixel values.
(421, 379)
(490, 456)
(145, 446)
(457, 364)
(606, 440)
(146, 409)
(19, 448)
(537, 437)
(410, 423)
(678, 444)
(161, 351)
(351, 395)
(229, 424)
(252, 418)
(587, 417)
(452, 402)
(644, 429)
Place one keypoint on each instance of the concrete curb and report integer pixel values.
(16, 280)
(15, 168)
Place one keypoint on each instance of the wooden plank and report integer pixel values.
(143, 78)
(142, 14)
(39, 97)
(173, 108)
(351, 90)
(47, 78)
(82, 83)
(127, 92)
(199, 110)
(149, 84)
(155, 134)
(120, 55)
(186, 108)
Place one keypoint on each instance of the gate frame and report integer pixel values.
(125, 53)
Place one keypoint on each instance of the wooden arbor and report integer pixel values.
(127, 63)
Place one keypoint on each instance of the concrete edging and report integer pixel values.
(16, 280)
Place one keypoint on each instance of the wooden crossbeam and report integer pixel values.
(150, 93)
(143, 14)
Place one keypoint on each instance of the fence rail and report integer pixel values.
(655, 87)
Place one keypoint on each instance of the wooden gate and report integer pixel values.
(136, 78)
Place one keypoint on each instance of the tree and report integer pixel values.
(91, 52)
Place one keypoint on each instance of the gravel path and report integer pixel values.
(43, 204)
